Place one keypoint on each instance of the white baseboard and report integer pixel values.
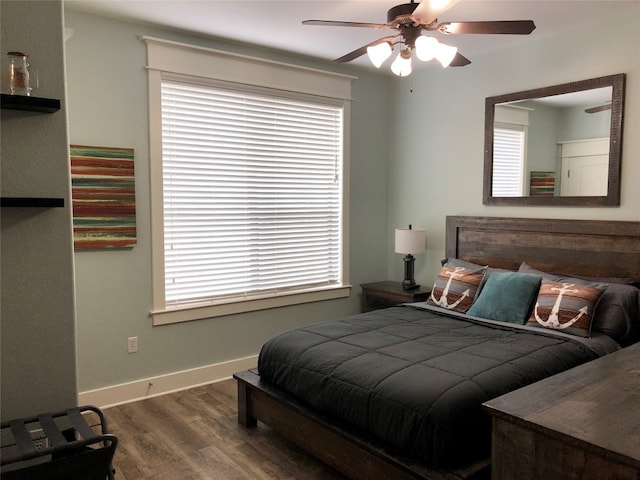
(163, 384)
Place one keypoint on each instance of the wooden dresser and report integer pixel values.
(581, 424)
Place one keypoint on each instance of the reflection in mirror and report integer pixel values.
(553, 145)
(557, 145)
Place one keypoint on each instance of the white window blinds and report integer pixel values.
(252, 194)
(508, 161)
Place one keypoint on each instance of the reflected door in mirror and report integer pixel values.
(585, 167)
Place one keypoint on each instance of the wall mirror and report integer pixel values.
(557, 145)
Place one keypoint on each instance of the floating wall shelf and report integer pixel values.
(39, 202)
(29, 104)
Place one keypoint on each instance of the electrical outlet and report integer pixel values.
(39, 439)
(132, 344)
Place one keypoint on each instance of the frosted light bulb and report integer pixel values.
(426, 48)
(402, 64)
(446, 54)
(379, 53)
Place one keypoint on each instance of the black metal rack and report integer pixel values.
(73, 444)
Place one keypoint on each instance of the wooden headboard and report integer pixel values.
(594, 248)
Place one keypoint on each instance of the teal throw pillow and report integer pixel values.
(507, 297)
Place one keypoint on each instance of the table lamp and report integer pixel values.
(410, 241)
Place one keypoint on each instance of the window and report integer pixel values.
(252, 193)
(508, 161)
(248, 195)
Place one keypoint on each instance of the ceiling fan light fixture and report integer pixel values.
(429, 10)
(410, 21)
(442, 4)
(379, 53)
(446, 54)
(426, 48)
(401, 66)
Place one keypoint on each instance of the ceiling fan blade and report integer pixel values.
(599, 108)
(428, 10)
(362, 50)
(335, 23)
(512, 27)
(459, 61)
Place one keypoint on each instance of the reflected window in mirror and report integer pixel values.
(510, 131)
(556, 145)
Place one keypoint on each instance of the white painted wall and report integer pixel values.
(438, 130)
(38, 360)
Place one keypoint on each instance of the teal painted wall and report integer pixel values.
(107, 86)
(437, 133)
(416, 156)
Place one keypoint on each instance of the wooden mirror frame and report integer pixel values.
(615, 144)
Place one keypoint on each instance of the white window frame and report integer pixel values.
(177, 58)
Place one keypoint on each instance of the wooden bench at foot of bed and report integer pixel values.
(350, 452)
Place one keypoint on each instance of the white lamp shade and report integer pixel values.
(379, 53)
(426, 48)
(401, 66)
(410, 240)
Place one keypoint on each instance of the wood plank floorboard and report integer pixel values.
(194, 435)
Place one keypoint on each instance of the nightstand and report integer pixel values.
(388, 294)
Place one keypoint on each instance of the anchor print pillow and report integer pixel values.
(456, 287)
(618, 309)
(566, 307)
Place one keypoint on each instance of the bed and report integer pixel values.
(359, 393)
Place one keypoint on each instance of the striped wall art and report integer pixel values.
(103, 195)
(542, 184)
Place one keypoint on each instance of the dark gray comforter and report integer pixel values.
(415, 378)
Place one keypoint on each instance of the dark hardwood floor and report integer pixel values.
(194, 434)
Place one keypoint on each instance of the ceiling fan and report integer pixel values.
(410, 20)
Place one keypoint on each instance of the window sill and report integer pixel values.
(231, 307)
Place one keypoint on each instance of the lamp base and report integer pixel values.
(407, 285)
(409, 282)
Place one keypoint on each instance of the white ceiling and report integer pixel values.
(277, 24)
